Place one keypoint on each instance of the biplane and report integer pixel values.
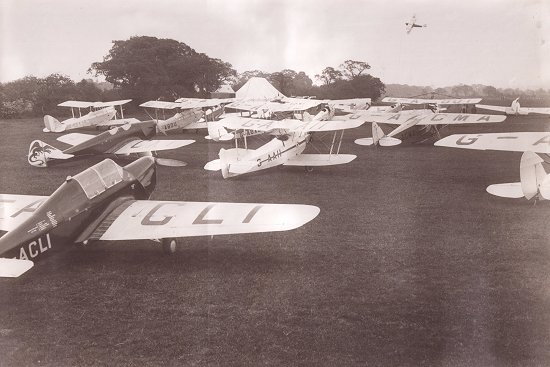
(291, 138)
(100, 115)
(107, 202)
(125, 140)
(516, 109)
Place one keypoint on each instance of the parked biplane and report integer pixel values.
(100, 115)
(516, 109)
(107, 202)
(129, 139)
(291, 138)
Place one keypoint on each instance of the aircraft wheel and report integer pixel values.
(169, 245)
(308, 169)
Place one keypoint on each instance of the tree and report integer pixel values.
(149, 68)
(329, 75)
(352, 69)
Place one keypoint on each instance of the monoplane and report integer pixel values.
(107, 202)
(129, 139)
(516, 109)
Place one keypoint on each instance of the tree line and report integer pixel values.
(148, 68)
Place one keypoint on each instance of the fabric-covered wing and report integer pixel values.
(537, 142)
(145, 219)
(75, 138)
(317, 160)
(540, 110)
(424, 117)
(160, 104)
(14, 209)
(448, 101)
(111, 103)
(76, 104)
(143, 146)
(328, 125)
(118, 122)
(248, 123)
(492, 108)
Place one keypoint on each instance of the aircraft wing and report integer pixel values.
(76, 104)
(110, 103)
(539, 110)
(447, 101)
(146, 219)
(427, 118)
(118, 122)
(537, 142)
(328, 125)
(160, 104)
(144, 146)
(75, 138)
(249, 123)
(188, 103)
(492, 108)
(15, 209)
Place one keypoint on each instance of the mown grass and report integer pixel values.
(410, 262)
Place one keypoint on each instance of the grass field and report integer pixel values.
(409, 263)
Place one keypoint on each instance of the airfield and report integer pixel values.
(409, 263)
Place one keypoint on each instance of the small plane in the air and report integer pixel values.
(121, 140)
(412, 24)
(100, 115)
(534, 180)
(291, 138)
(107, 202)
(516, 109)
(407, 119)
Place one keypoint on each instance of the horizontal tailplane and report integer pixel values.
(40, 153)
(12, 268)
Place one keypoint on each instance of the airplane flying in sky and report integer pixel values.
(291, 138)
(122, 140)
(534, 182)
(412, 24)
(107, 202)
(101, 114)
(407, 119)
(516, 109)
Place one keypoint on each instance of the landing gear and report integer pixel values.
(169, 245)
(308, 169)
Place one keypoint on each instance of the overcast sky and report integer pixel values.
(495, 42)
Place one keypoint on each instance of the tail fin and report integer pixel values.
(532, 176)
(378, 138)
(217, 132)
(53, 125)
(40, 153)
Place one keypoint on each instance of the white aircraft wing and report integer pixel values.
(328, 125)
(110, 103)
(537, 142)
(539, 110)
(447, 101)
(143, 146)
(492, 108)
(160, 104)
(317, 160)
(15, 209)
(424, 117)
(118, 122)
(76, 104)
(146, 219)
(188, 103)
(75, 138)
(248, 123)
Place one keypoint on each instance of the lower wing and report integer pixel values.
(143, 146)
(146, 219)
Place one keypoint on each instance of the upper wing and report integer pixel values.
(111, 103)
(143, 146)
(492, 108)
(119, 122)
(75, 138)
(14, 209)
(145, 219)
(541, 110)
(248, 123)
(427, 118)
(537, 142)
(448, 101)
(328, 125)
(76, 104)
(160, 104)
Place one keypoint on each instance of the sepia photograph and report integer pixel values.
(274, 183)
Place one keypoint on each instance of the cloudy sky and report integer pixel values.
(495, 42)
